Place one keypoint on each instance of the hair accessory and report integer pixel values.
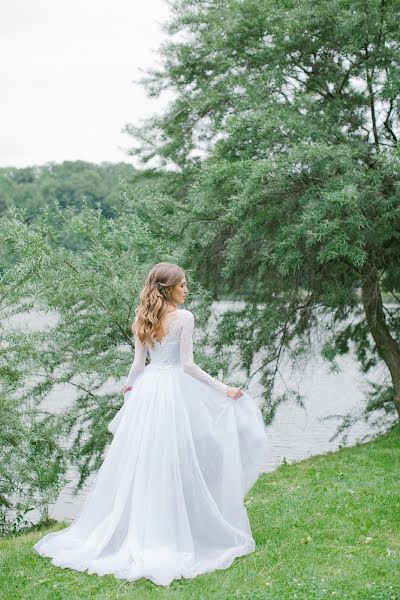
(162, 286)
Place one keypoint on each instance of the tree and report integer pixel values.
(285, 130)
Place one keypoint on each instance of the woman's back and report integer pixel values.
(167, 351)
(175, 349)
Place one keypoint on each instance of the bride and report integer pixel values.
(167, 501)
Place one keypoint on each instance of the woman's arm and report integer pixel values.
(186, 356)
(138, 364)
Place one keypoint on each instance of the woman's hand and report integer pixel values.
(125, 389)
(234, 392)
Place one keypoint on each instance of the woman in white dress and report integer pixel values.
(167, 501)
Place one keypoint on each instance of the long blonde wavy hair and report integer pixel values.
(154, 301)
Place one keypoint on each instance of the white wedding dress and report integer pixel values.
(167, 501)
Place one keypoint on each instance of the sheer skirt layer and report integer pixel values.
(167, 501)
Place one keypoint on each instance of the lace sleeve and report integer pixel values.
(186, 356)
(139, 362)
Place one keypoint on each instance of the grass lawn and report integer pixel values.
(326, 527)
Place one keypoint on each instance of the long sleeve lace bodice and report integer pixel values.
(186, 355)
(175, 348)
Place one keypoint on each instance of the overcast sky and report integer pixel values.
(66, 71)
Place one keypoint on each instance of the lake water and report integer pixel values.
(295, 434)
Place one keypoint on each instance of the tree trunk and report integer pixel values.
(387, 347)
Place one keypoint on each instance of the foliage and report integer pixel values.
(32, 462)
(36, 188)
(284, 128)
(32, 188)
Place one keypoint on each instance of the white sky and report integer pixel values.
(66, 74)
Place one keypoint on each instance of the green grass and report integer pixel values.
(327, 527)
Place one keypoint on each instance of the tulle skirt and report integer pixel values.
(167, 501)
